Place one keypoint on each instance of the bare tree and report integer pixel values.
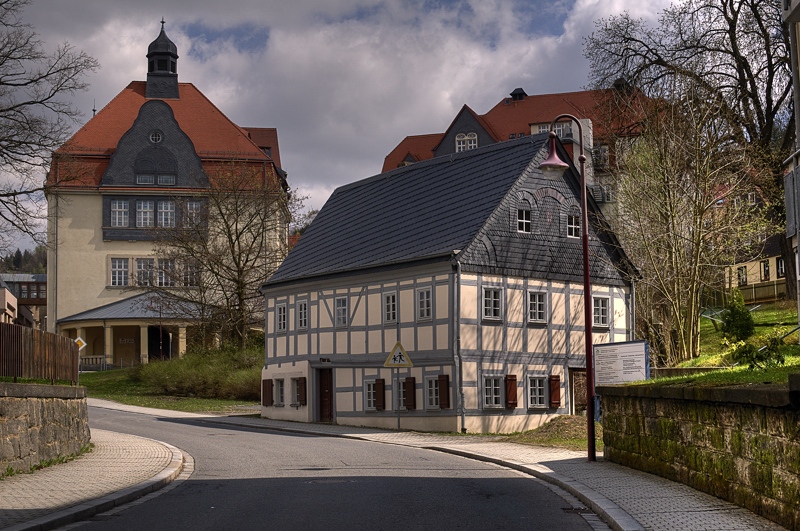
(229, 241)
(35, 116)
(736, 54)
(680, 214)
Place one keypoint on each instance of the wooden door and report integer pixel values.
(325, 395)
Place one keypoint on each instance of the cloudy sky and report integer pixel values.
(343, 80)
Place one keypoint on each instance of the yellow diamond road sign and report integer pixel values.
(398, 358)
(81, 343)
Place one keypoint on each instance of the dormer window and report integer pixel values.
(524, 217)
(574, 223)
(466, 141)
(144, 178)
(166, 180)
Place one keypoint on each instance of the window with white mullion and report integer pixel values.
(423, 304)
(537, 307)
(574, 225)
(280, 318)
(119, 271)
(302, 315)
(144, 213)
(390, 307)
(166, 273)
(493, 391)
(119, 213)
(523, 220)
(600, 313)
(166, 214)
(492, 303)
(537, 391)
(341, 311)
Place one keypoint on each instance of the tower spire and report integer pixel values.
(162, 67)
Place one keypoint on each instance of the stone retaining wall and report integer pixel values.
(740, 443)
(40, 422)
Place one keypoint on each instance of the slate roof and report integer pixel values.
(23, 277)
(427, 209)
(135, 307)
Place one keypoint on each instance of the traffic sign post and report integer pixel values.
(397, 358)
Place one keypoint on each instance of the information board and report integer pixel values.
(616, 363)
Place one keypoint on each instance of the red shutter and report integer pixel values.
(410, 385)
(380, 394)
(301, 391)
(444, 391)
(266, 392)
(511, 391)
(555, 391)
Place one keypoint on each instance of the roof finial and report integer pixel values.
(162, 23)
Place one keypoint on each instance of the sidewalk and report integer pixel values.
(625, 498)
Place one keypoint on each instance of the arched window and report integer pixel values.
(466, 141)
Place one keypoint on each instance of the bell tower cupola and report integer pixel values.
(162, 68)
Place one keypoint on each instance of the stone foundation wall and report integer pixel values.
(40, 422)
(741, 444)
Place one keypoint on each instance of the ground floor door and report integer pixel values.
(159, 343)
(325, 395)
(577, 391)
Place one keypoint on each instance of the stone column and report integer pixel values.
(108, 344)
(181, 341)
(144, 345)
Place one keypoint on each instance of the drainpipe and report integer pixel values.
(796, 84)
(632, 334)
(457, 346)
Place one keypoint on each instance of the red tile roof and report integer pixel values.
(509, 118)
(213, 134)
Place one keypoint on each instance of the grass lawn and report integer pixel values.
(565, 431)
(116, 385)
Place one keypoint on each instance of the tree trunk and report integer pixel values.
(790, 269)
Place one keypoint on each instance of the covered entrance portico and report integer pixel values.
(126, 333)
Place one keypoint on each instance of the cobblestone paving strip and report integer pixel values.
(121, 460)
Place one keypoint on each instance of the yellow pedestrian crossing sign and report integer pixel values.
(398, 358)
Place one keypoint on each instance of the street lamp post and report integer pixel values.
(554, 164)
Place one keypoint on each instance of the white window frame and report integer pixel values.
(166, 273)
(537, 309)
(120, 272)
(493, 395)
(166, 179)
(144, 271)
(751, 198)
(573, 225)
(492, 303)
(280, 318)
(424, 304)
(192, 212)
(295, 392)
(340, 309)
(390, 307)
(302, 315)
(741, 275)
(537, 391)
(370, 396)
(601, 312)
(780, 268)
(432, 393)
(466, 141)
(524, 220)
(145, 213)
(280, 390)
(119, 213)
(166, 214)
(145, 178)
(191, 275)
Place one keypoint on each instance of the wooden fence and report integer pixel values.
(29, 353)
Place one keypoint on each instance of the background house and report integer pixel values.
(139, 166)
(30, 291)
(472, 264)
(521, 115)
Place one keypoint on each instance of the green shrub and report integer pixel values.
(222, 372)
(737, 322)
(762, 353)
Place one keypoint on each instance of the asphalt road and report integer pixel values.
(257, 479)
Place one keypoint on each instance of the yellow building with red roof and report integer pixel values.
(141, 164)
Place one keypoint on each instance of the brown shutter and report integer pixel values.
(266, 392)
(410, 385)
(555, 390)
(301, 391)
(444, 391)
(380, 394)
(511, 391)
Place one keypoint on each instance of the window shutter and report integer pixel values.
(444, 391)
(380, 395)
(301, 391)
(555, 391)
(410, 385)
(266, 393)
(511, 391)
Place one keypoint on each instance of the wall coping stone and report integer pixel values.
(19, 390)
(769, 395)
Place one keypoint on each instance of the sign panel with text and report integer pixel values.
(617, 363)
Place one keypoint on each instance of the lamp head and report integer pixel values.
(553, 167)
